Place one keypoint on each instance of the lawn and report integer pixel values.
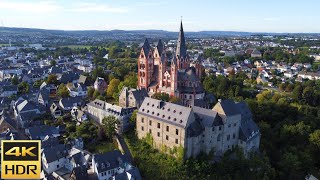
(78, 46)
(102, 147)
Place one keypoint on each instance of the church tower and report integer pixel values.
(174, 76)
(198, 66)
(145, 65)
(183, 61)
(160, 59)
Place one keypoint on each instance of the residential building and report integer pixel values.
(97, 110)
(130, 97)
(100, 84)
(114, 165)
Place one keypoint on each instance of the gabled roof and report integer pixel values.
(10, 88)
(6, 120)
(55, 153)
(248, 130)
(70, 101)
(227, 107)
(80, 173)
(165, 111)
(244, 110)
(109, 160)
(37, 132)
(26, 106)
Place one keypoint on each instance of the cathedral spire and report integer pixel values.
(181, 44)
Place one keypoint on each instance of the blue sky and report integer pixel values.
(234, 15)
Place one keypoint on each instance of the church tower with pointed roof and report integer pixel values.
(181, 51)
(145, 65)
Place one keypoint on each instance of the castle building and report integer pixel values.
(178, 79)
(228, 125)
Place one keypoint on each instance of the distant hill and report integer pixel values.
(138, 32)
(92, 37)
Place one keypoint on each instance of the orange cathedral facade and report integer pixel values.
(178, 79)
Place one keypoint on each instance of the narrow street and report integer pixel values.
(125, 148)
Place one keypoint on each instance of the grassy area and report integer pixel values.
(78, 46)
(4, 45)
(102, 147)
(317, 63)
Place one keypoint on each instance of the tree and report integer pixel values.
(315, 138)
(113, 87)
(174, 100)
(297, 92)
(133, 117)
(63, 91)
(95, 94)
(161, 96)
(110, 125)
(23, 88)
(53, 63)
(15, 80)
(52, 79)
(90, 92)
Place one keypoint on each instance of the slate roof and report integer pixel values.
(56, 70)
(110, 108)
(165, 111)
(69, 77)
(248, 130)
(80, 173)
(160, 47)
(26, 106)
(207, 116)
(7, 119)
(70, 101)
(37, 132)
(229, 107)
(44, 94)
(49, 141)
(244, 110)
(56, 152)
(188, 75)
(133, 173)
(146, 47)
(109, 160)
(10, 88)
(181, 44)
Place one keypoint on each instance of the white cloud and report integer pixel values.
(94, 7)
(30, 7)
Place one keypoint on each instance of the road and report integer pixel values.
(125, 148)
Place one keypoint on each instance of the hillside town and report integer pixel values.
(84, 103)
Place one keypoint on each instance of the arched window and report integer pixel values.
(141, 80)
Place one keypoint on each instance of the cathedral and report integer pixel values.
(176, 77)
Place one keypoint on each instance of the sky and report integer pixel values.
(198, 15)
